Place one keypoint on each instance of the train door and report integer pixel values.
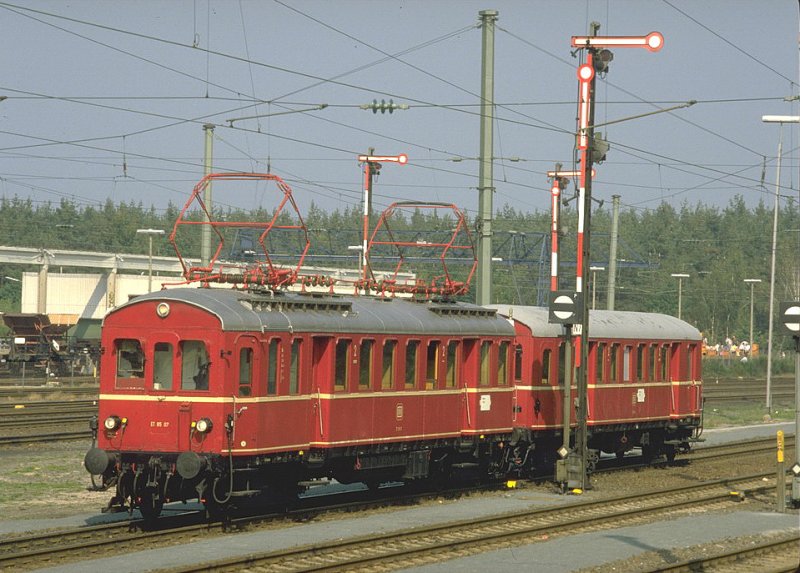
(675, 376)
(245, 409)
(321, 385)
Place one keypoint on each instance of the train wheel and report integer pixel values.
(670, 451)
(150, 505)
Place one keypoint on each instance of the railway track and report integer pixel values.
(421, 546)
(51, 437)
(401, 548)
(39, 419)
(775, 556)
(21, 553)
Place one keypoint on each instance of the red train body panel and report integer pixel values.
(220, 393)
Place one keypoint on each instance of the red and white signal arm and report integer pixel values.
(790, 317)
(402, 159)
(652, 42)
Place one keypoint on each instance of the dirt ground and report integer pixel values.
(46, 481)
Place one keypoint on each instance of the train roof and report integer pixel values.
(606, 323)
(240, 310)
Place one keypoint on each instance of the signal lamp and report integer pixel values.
(112, 423)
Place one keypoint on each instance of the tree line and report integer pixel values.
(718, 247)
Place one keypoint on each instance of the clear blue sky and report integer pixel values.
(108, 99)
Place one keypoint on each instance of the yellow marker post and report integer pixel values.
(781, 477)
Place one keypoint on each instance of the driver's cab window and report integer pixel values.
(194, 365)
(130, 363)
(162, 366)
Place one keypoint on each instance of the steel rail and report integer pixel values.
(440, 542)
(775, 556)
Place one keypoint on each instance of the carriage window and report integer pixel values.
(651, 359)
(486, 347)
(272, 367)
(294, 367)
(664, 363)
(432, 365)
(411, 363)
(599, 351)
(365, 365)
(613, 372)
(452, 364)
(342, 367)
(562, 364)
(518, 362)
(194, 365)
(546, 366)
(502, 365)
(387, 375)
(245, 372)
(688, 370)
(162, 366)
(130, 364)
(639, 362)
(626, 364)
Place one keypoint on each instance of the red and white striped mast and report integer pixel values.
(597, 57)
(372, 164)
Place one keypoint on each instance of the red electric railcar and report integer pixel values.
(221, 393)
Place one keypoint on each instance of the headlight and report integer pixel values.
(112, 423)
(203, 425)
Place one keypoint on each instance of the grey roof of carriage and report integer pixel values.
(245, 311)
(606, 323)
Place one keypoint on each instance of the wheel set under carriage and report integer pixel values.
(148, 480)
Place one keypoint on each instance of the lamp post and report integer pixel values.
(150, 233)
(780, 119)
(680, 277)
(752, 283)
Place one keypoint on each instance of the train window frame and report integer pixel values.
(652, 362)
(599, 362)
(295, 366)
(562, 364)
(341, 364)
(503, 378)
(129, 364)
(664, 357)
(518, 356)
(485, 364)
(388, 363)
(452, 372)
(163, 366)
(640, 362)
(546, 366)
(613, 362)
(627, 360)
(411, 364)
(366, 363)
(195, 365)
(273, 363)
(245, 371)
(432, 357)
(688, 369)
